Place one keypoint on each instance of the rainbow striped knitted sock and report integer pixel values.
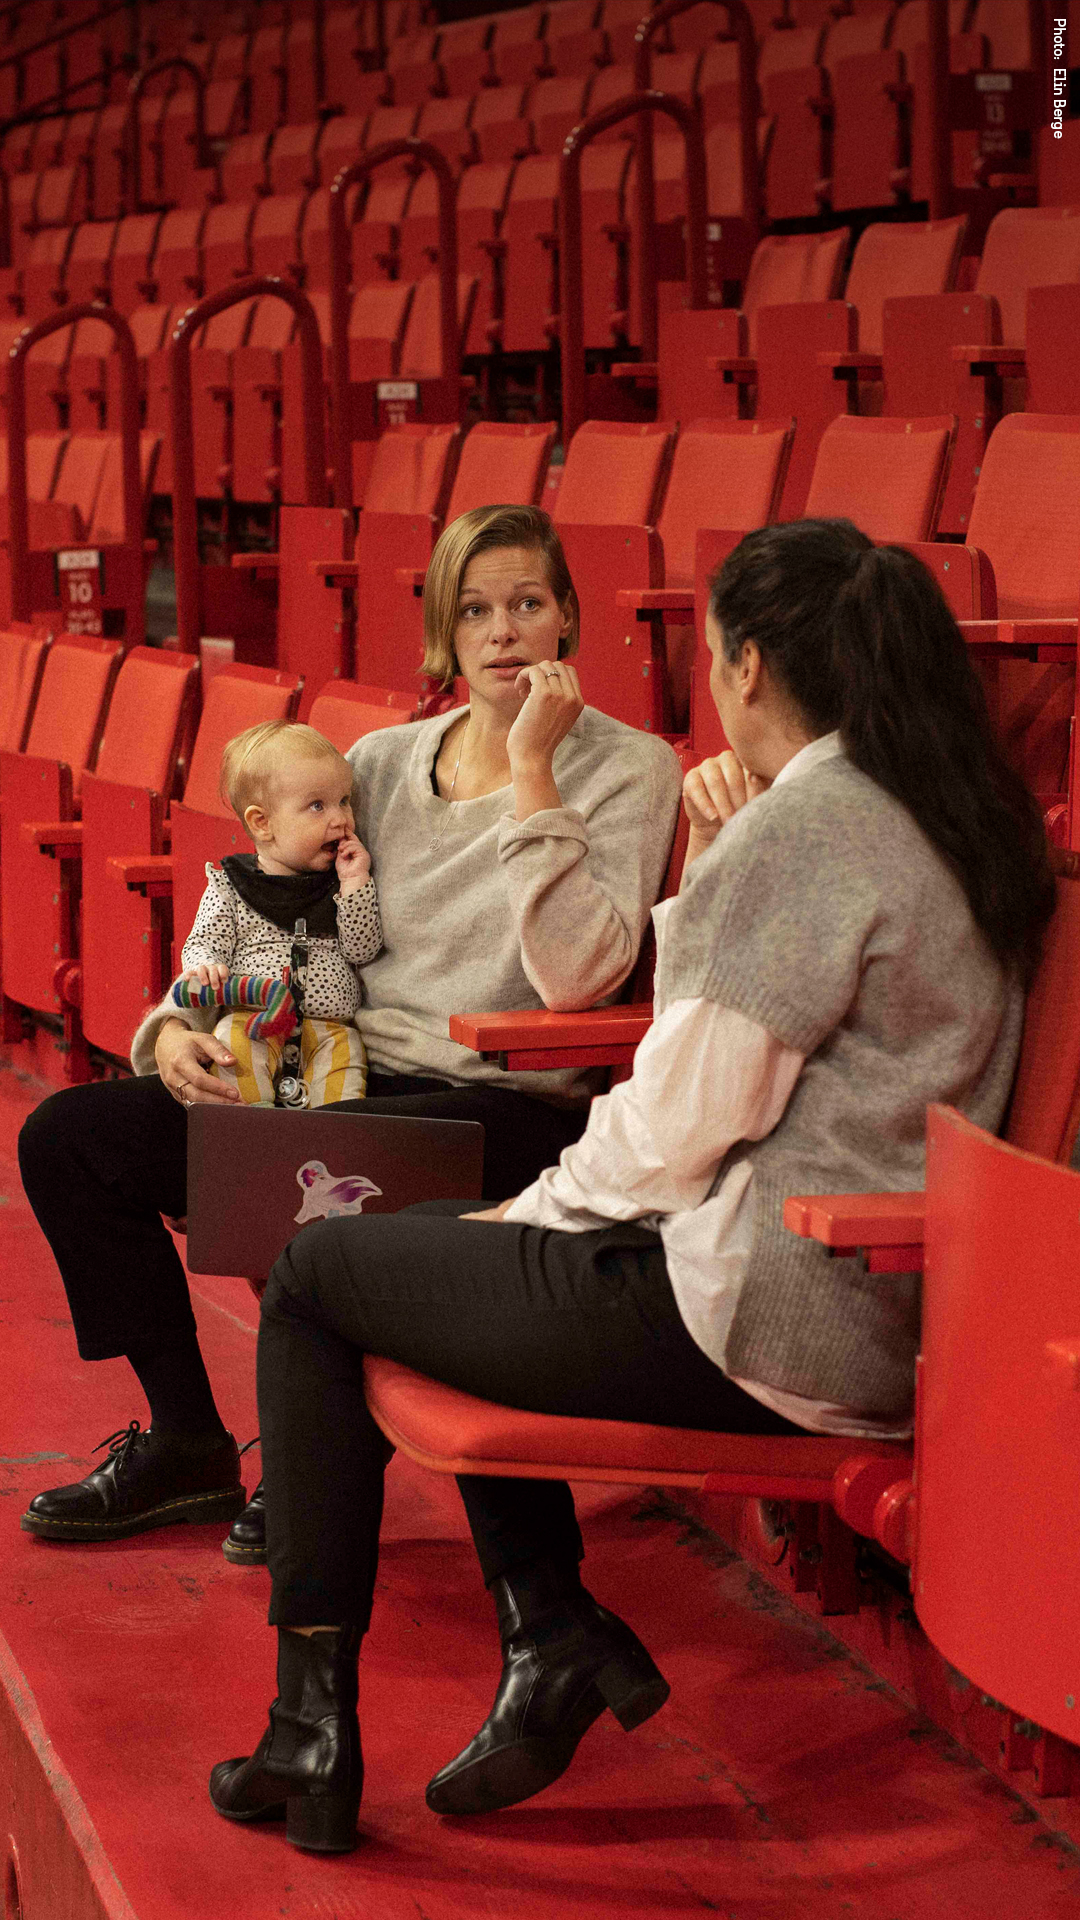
(268, 995)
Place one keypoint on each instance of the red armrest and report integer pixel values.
(1007, 359)
(147, 873)
(675, 603)
(264, 566)
(889, 1227)
(336, 573)
(413, 577)
(868, 363)
(1031, 639)
(647, 371)
(738, 366)
(595, 1037)
(60, 838)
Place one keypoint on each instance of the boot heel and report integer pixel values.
(632, 1691)
(323, 1822)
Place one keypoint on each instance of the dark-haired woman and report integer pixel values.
(866, 888)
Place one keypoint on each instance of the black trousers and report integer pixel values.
(101, 1163)
(551, 1322)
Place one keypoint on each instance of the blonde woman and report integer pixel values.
(518, 844)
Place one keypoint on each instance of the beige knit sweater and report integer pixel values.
(482, 912)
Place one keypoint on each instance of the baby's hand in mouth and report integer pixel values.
(353, 863)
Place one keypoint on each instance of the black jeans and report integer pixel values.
(572, 1323)
(101, 1163)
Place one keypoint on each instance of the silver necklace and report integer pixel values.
(437, 837)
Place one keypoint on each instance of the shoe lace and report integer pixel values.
(121, 1442)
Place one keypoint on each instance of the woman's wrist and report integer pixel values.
(534, 787)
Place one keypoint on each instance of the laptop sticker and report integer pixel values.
(328, 1197)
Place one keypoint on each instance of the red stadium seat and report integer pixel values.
(256, 402)
(999, 1325)
(44, 782)
(887, 475)
(294, 167)
(517, 52)
(244, 167)
(178, 256)
(412, 67)
(23, 651)
(266, 78)
(606, 510)
(464, 61)
(89, 264)
(574, 40)
(405, 498)
(499, 123)
(131, 279)
(444, 123)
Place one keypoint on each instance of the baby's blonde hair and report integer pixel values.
(250, 761)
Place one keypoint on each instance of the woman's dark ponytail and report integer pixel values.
(864, 642)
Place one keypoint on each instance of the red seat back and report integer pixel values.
(502, 461)
(1026, 515)
(614, 473)
(997, 1465)
(344, 711)
(727, 474)
(236, 698)
(73, 700)
(22, 663)
(886, 475)
(410, 472)
(145, 723)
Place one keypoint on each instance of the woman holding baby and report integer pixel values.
(517, 845)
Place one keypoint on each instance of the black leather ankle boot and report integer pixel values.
(307, 1769)
(565, 1659)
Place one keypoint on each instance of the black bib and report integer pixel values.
(285, 898)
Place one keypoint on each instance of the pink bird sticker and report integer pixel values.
(327, 1197)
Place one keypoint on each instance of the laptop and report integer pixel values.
(256, 1175)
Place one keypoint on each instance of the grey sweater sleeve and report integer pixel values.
(581, 890)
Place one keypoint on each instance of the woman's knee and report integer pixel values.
(46, 1135)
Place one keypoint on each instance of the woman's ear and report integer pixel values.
(257, 822)
(748, 672)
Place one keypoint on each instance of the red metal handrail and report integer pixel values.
(571, 265)
(937, 109)
(132, 134)
(742, 27)
(185, 535)
(18, 505)
(427, 156)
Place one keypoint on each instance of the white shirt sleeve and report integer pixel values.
(704, 1078)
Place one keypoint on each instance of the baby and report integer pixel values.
(292, 791)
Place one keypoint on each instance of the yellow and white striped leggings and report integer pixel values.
(332, 1056)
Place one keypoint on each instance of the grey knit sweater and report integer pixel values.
(824, 913)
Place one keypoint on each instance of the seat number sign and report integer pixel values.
(79, 584)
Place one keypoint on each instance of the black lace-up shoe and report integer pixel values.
(148, 1480)
(245, 1542)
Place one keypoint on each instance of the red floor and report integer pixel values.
(782, 1779)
